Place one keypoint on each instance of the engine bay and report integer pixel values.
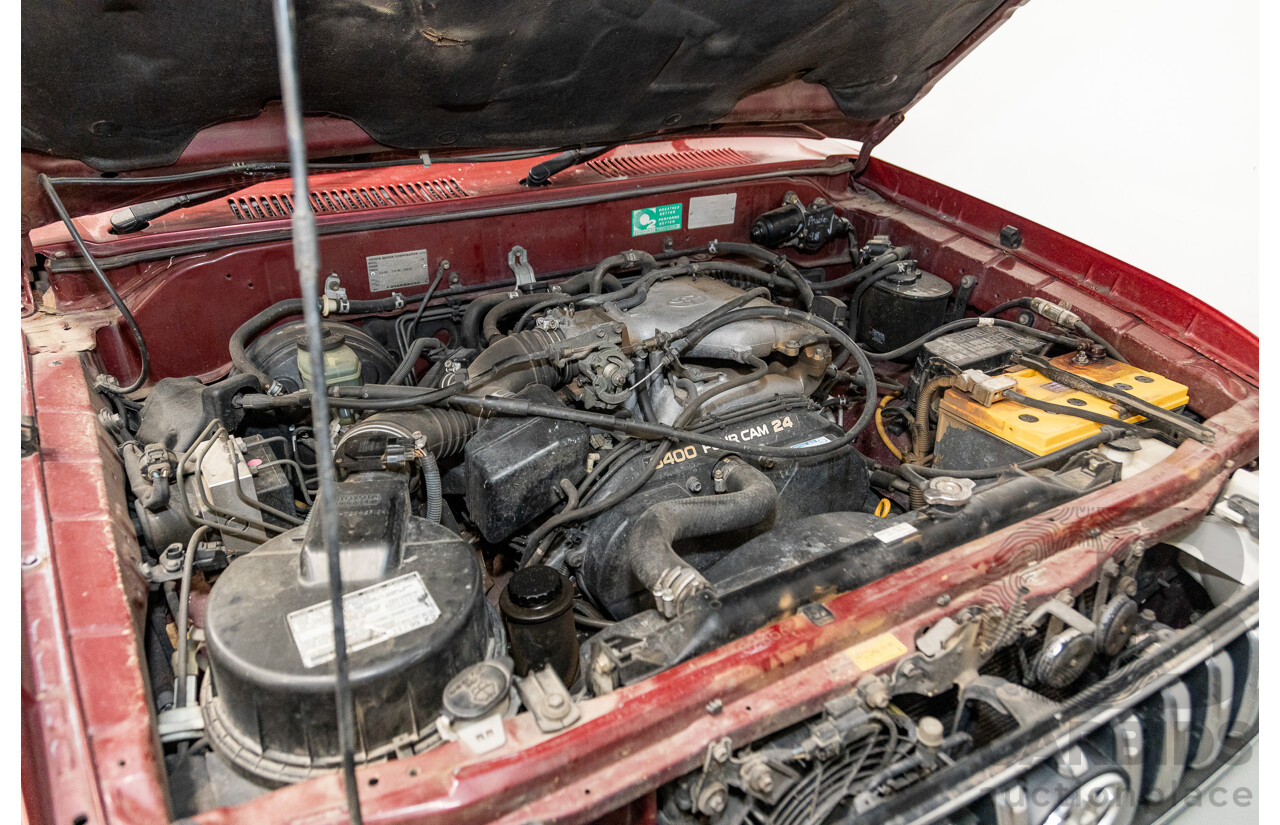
(555, 490)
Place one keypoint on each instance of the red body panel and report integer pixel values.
(85, 706)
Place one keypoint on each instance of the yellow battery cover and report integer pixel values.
(1041, 433)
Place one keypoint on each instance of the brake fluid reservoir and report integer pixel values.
(341, 364)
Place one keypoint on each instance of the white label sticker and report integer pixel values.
(712, 210)
(397, 270)
(897, 532)
(813, 442)
(375, 614)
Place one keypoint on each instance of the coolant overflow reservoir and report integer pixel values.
(341, 364)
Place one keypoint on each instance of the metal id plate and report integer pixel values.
(398, 270)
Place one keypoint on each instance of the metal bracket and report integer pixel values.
(547, 699)
(30, 436)
(335, 297)
(518, 260)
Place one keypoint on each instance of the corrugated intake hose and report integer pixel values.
(517, 361)
(437, 431)
(749, 498)
(431, 486)
(921, 432)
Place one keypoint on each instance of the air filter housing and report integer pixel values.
(415, 616)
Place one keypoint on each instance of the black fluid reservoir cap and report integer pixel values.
(536, 594)
(535, 587)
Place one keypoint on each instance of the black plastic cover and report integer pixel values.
(373, 511)
(178, 409)
(513, 467)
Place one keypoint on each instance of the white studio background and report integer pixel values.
(1129, 125)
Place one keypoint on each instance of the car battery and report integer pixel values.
(971, 436)
(987, 348)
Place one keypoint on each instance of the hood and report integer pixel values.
(128, 84)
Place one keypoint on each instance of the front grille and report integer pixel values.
(1165, 746)
(347, 199)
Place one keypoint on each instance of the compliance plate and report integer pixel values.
(374, 614)
(398, 270)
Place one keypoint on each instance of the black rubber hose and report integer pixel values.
(412, 356)
(152, 493)
(1016, 303)
(751, 273)
(804, 289)
(403, 336)
(494, 317)
(749, 499)
(473, 317)
(246, 332)
(144, 356)
(599, 276)
(444, 432)
(159, 656)
(965, 323)
(898, 253)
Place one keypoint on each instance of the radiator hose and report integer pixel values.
(748, 499)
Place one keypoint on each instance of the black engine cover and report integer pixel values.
(806, 487)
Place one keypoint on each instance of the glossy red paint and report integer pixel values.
(83, 689)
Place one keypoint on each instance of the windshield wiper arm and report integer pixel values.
(540, 174)
(139, 216)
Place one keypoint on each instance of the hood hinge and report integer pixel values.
(878, 133)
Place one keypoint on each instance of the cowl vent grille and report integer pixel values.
(637, 165)
(347, 199)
